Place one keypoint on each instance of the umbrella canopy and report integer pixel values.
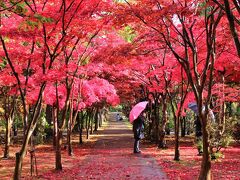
(136, 110)
(193, 106)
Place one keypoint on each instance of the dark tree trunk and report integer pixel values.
(91, 126)
(183, 126)
(57, 133)
(15, 127)
(58, 158)
(229, 109)
(92, 115)
(156, 119)
(232, 26)
(80, 127)
(205, 172)
(96, 120)
(49, 118)
(177, 153)
(101, 116)
(88, 123)
(69, 131)
(150, 120)
(162, 141)
(150, 128)
(176, 128)
(69, 142)
(49, 114)
(54, 136)
(100, 120)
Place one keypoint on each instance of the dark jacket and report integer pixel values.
(198, 127)
(138, 126)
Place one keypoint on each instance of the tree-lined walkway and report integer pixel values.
(112, 157)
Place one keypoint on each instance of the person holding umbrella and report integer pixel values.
(198, 126)
(137, 117)
(138, 127)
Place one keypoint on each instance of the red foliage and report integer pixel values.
(189, 165)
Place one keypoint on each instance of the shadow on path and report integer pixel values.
(112, 157)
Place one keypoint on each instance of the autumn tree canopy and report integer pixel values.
(76, 54)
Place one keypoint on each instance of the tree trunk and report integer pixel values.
(88, 124)
(80, 126)
(92, 115)
(20, 155)
(177, 153)
(58, 159)
(100, 118)
(91, 125)
(183, 126)
(156, 119)
(96, 120)
(176, 129)
(232, 26)
(205, 172)
(25, 119)
(49, 118)
(69, 131)
(69, 142)
(162, 141)
(150, 127)
(49, 114)
(229, 109)
(7, 137)
(54, 135)
(9, 116)
(222, 108)
(28, 133)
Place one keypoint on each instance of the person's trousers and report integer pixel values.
(136, 146)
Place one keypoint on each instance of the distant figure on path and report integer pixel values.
(119, 118)
(138, 127)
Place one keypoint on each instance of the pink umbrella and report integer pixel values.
(136, 110)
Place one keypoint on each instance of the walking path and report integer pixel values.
(113, 157)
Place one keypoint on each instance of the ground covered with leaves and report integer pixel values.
(106, 155)
(188, 168)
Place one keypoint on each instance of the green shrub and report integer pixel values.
(216, 155)
(116, 109)
(220, 137)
